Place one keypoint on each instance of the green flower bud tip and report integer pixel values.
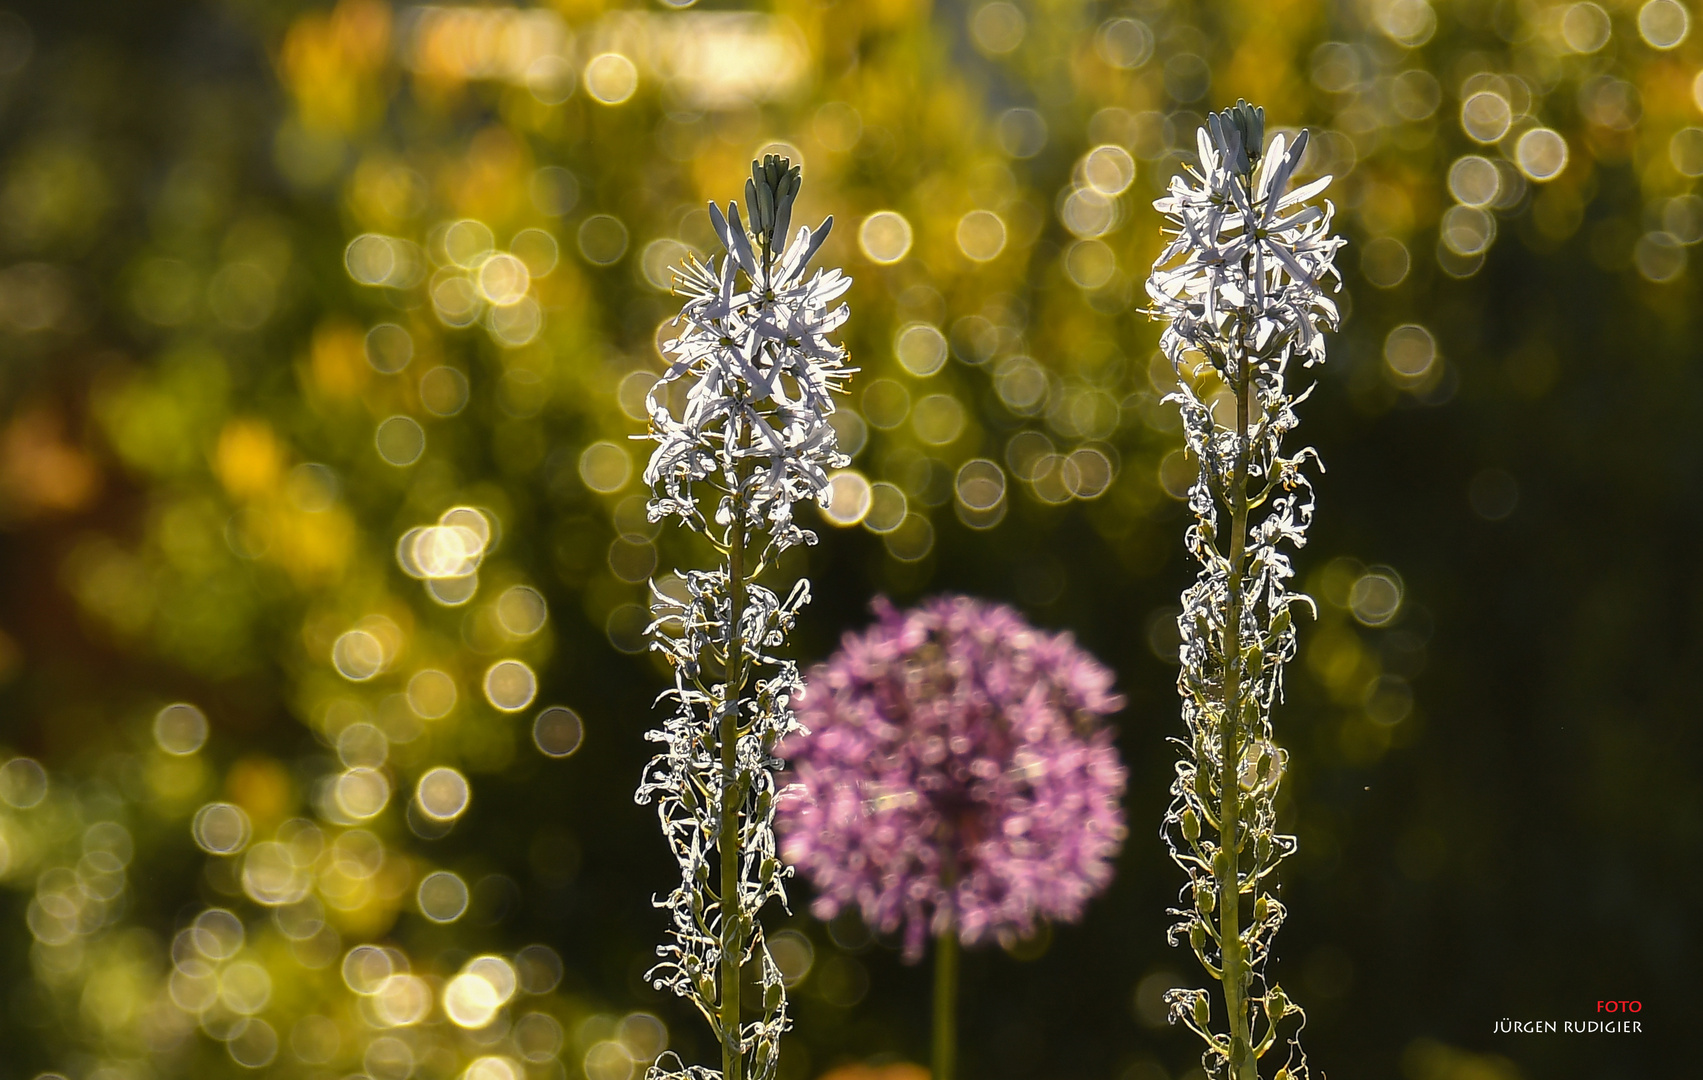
(754, 207)
(1191, 825)
(769, 195)
(1243, 126)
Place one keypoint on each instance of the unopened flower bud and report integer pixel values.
(769, 195)
(1191, 825)
(1222, 865)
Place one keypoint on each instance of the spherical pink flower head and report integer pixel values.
(955, 773)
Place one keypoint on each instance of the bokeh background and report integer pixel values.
(281, 281)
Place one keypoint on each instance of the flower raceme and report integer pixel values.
(1242, 271)
(1241, 284)
(761, 375)
(749, 429)
(954, 775)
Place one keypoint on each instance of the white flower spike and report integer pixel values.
(1241, 283)
(751, 431)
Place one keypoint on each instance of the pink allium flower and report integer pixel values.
(954, 774)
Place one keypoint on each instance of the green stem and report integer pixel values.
(734, 920)
(727, 840)
(733, 916)
(946, 1004)
(1243, 1064)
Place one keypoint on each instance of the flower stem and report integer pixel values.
(946, 1004)
(727, 839)
(1226, 869)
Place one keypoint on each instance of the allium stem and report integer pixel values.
(946, 966)
(946, 1004)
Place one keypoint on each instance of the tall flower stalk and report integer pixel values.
(1240, 285)
(748, 432)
